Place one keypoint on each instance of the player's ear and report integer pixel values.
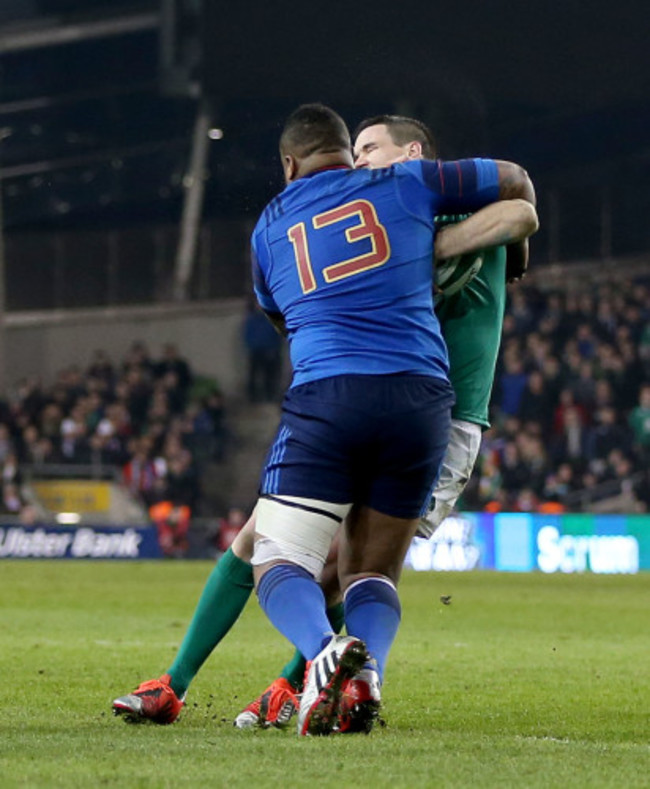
(290, 167)
(414, 150)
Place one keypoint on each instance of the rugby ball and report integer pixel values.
(454, 273)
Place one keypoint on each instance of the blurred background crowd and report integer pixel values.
(570, 414)
(571, 401)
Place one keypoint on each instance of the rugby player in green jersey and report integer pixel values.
(471, 318)
(385, 140)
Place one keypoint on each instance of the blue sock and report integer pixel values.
(295, 604)
(373, 613)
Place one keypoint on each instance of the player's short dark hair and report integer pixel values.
(314, 128)
(403, 130)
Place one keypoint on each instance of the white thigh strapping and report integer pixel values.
(297, 530)
(456, 468)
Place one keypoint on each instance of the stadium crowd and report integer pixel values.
(142, 416)
(571, 401)
(570, 415)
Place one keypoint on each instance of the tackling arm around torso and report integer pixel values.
(498, 224)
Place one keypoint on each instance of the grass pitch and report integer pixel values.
(522, 680)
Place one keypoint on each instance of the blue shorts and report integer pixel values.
(375, 440)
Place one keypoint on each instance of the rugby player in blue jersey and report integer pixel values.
(360, 226)
(342, 264)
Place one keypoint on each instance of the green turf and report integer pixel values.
(523, 680)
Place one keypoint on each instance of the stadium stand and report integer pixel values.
(139, 427)
(571, 404)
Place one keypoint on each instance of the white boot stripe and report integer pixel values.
(322, 675)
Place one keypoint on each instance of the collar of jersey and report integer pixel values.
(325, 169)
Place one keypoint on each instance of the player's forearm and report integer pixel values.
(498, 224)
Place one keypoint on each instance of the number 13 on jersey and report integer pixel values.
(368, 226)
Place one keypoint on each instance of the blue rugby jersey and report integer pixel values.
(346, 257)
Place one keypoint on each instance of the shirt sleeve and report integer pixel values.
(463, 185)
(261, 289)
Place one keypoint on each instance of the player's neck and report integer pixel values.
(323, 161)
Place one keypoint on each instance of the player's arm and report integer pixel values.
(515, 182)
(464, 186)
(499, 224)
(277, 319)
(470, 184)
(262, 293)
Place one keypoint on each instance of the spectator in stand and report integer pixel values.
(525, 501)
(50, 422)
(573, 442)
(567, 403)
(101, 368)
(113, 432)
(209, 423)
(514, 474)
(535, 403)
(172, 522)
(603, 394)
(134, 390)
(30, 446)
(534, 459)
(490, 481)
(640, 423)
(606, 320)
(512, 384)
(178, 493)
(74, 436)
(142, 472)
(584, 387)
(264, 351)
(607, 433)
(521, 312)
(172, 362)
(552, 373)
(644, 349)
(12, 501)
(585, 341)
(6, 443)
(138, 356)
(559, 483)
(229, 528)
(169, 386)
(182, 484)
(94, 411)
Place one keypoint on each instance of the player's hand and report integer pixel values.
(515, 270)
(516, 261)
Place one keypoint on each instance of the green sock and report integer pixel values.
(294, 671)
(224, 596)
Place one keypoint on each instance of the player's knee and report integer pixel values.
(243, 544)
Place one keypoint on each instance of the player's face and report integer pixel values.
(374, 147)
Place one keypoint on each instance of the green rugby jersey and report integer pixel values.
(471, 321)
